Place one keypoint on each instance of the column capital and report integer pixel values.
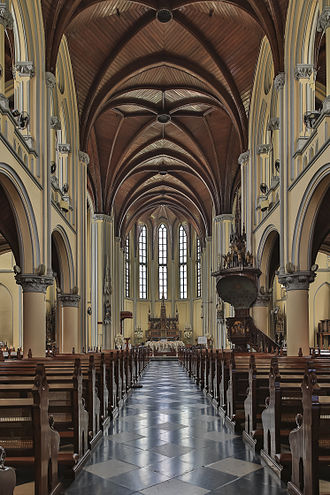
(84, 157)
(34, 283)
(279, 81)
(6, 19)
(69, 300)
(304, 71)
(263, 297)
(50, 80)
(64, 148)
(273, 124)
(264, 149)
(324, 19)
(55, 123)
(102, 217)
(297, 280)
(23, 69)
(243, 157)
(226, 216)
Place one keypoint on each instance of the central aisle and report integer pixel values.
(169, 440)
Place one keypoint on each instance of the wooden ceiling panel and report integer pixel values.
(198, 69)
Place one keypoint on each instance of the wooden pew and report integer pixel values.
(282, 406)
(254, 404)
(66, 405)
(310, 441)
(27, 434)
(100, 392)
(238, 385)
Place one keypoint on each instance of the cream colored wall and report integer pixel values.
(10, 302)
(319, 296)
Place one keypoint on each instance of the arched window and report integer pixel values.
(143, 262)
(198, 269)
(162, 261)
(183, 250)
(127, 267)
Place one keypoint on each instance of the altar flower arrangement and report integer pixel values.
(138, 333)
(187, 333)
(119, 341)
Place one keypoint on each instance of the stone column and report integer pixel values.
(243, 161)
(279, 82)
(69, 327)
(297, 310)
(23, 72)
(260, 311)
(222, 229)
(34, 312)
(6, 22)
(324, 25)
(50, 81)
(273, 127)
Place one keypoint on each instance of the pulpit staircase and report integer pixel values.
(250, 337)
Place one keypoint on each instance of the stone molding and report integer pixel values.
(324, 20)
(326, 106)
(243, 157)
(264, 149)
(50, 80)
(55, 123)
(298, 280)
(6, 19)
(34, 283)
(274, 124)
(69, 300)
(304, 71)
(279, 81)
(23, 69)
(84, 157)
(64, 148)
(4, 103)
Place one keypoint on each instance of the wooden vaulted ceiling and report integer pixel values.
(197, 70)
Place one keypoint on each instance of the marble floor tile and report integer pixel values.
(111, 468)
(173, 487)
(169, 440)
(142, 478)
(207, 478)
(234, 466)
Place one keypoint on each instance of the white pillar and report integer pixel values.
(70, 323)
(34, 312)
(297, 310)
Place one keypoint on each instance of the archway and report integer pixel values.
(62, 298)
(311, 234)
(266, 311)
(19, 248)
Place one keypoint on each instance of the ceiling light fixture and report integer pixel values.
(163, 118)
(164, 15)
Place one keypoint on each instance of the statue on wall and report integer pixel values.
(107, 291)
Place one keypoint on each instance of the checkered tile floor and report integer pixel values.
(169, 440)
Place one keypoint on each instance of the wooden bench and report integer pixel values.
(254, 404)
(26, 432)
(282, 406)
(310, 441)
(66, 405)
(239, 366)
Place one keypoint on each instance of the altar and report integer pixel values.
(163, 328)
